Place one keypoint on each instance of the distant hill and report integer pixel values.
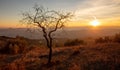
(78, 32)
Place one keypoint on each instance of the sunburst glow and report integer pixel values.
(95, 23)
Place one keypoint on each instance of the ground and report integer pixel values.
(105, 56)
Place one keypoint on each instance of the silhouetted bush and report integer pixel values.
(117, 38)
(14, 46)
(73, 42)
(105, 39)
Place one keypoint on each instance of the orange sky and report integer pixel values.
(107, 12)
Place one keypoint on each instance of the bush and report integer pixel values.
(13, 49)
(73, 42)
(117, 38)
(14, 46)
(105, 39)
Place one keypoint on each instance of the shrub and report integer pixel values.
(13, 49)
(117, 38)
(14, 46)
(73, 42)
(105, 39)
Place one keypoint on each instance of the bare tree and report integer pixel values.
(48, 21)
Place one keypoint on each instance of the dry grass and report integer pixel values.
(85, 57)
(91, 56)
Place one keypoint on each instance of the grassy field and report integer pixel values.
(91, 56)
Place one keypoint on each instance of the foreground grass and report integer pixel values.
(104, 56)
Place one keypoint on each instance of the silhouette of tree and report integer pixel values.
(48, 21)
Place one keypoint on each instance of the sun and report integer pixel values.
(95, 23)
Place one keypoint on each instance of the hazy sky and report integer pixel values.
(106, 11)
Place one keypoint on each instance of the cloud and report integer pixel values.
(99, 8)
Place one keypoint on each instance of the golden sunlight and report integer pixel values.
(95, 23)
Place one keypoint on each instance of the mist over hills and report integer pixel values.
(70, 33)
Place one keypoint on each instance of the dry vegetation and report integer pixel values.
(24, 54)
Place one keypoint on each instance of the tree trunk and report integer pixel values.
(50, 55)
(50, 49)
